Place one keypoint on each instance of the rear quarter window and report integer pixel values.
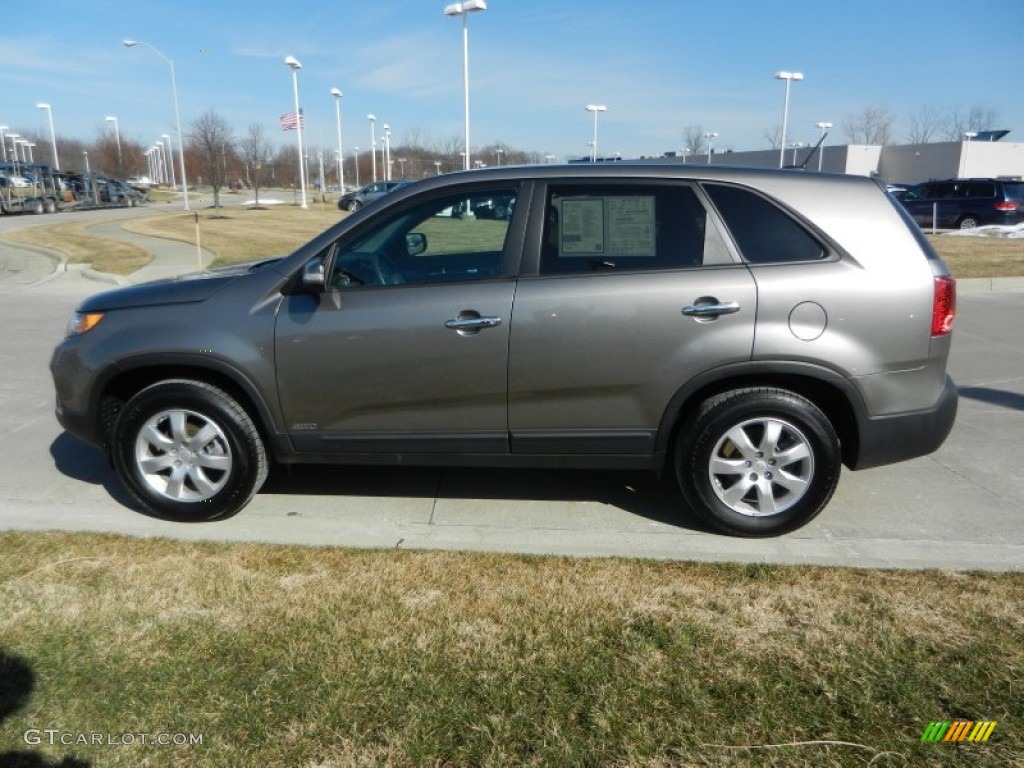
(764, 233)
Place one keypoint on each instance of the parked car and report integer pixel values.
(719, 324)
(965, 203)
(353, 201)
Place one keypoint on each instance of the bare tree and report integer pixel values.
(872, 125)
(693, 140)
(773, 136)
(975, 119)
(210, 137)
(256, 154)
(925, 124)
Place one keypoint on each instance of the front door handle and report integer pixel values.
(468, 323)
(711, 310)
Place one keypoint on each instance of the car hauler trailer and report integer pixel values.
(30, 187)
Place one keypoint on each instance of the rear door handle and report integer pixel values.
(711, 310)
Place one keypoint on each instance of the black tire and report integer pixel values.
(758, 461)
(967, 222)
(354, 205)
(187, 451)
(38, 208)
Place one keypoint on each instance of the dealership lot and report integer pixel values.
(958, 508)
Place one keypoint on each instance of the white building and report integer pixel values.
(903, 163)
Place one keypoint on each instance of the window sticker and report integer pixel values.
(582, 227)
(620, 225)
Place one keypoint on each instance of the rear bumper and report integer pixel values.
(889, 439)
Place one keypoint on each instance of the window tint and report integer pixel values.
(1014, 191)
(976, 189)
(764, 233)
(623, 227)
(448, 239)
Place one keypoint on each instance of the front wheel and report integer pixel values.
(188, 451)
(354, 206)
(758, 461)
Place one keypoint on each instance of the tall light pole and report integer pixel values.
(295, 66)
(170, 154)
(336, 93)
(3, 143)
(437, 167)
(386, 152)
(53, 136)
(29, 145)
(821, 149)
(14, 144)
(709, 136)
(789, 77)
(177, 112)
(463, 10)
(117, 136)
(596, 109)
(373, 143)
(355, 159)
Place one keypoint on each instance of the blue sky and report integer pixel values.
(658, 65)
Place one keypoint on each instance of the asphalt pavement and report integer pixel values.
(959, 508)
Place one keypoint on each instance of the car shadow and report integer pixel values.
(1000, 397)
(639, 493)
(17, 683)
(81, 461)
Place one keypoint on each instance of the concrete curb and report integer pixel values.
(991, 284)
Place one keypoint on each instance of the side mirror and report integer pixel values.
(313, 274)
(415, 243)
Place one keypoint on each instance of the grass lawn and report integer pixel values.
(981, 256)
(288, 656)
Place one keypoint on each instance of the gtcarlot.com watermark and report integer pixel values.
(55, 736)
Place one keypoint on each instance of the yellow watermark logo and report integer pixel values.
(958, 730)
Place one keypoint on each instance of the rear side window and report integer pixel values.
(764, 233)
(976, 189)
(626, 227)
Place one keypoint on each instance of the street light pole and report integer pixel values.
(117, 135)
(709, 137)
(789, 77)
(177, 113)
(595, 108)
(373, 144)
(3, 143)
(169, 154)
(463, 10)
(336, 93)
(386, 152)
(821, 150)
(53, 136)
(295, 66)
(355, 159)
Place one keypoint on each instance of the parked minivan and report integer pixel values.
(965, 203)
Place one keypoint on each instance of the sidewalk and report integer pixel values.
(170, 257)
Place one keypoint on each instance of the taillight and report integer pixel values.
(943, 306)
(1007, 205)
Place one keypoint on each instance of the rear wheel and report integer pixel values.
(188, 451)
(758, 461)
(967, 222)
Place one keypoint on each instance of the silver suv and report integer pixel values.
(748, 331)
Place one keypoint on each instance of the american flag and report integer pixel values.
(290, 121)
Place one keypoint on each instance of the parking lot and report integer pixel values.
(958, 508)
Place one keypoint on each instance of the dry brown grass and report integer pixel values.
(981, 256)
(329, 657)
(242, 233)
(79, 247)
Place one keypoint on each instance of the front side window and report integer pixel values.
(453, 238)
(624, 227)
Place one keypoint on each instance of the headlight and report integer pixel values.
(83, 321)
